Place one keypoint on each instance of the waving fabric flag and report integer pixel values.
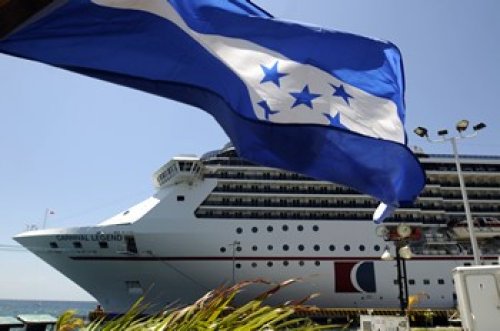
(326, 104)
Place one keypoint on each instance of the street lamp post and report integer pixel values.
(234, 244)
(402, 277)
(461, 127)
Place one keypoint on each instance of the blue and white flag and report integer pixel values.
(326, 104)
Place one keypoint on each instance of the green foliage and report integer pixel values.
(211, 312)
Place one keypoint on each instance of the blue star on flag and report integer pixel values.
(272, 74)
(267, 109)
(341, 93)
(304, 97)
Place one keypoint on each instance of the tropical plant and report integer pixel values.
(214, 312)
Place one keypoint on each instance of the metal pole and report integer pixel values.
(405, 276)
(234, 244)
(400, 281)
(470, 225)
(45, 218)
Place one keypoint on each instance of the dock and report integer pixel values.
(29, 322)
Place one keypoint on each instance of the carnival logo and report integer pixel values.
(354, 277)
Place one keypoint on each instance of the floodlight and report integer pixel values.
(386, 256)
(405, 252)
(420, 131)
(479, 126)
(442, 132)
(462, 125)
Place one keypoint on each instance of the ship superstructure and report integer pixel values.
(217, 219)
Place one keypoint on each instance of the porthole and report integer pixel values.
(103, 244)
(286, 247)
(316, 248)
(317, 263)
(284, 227)
(223, 249)
(239, 230)
(315, 228)
(300, 228)
(376, 248)
(332, 248)
(238, 248)
(301, 247)
(53, 244)
(254, 248)
(77, 244)
(254, 229)
(301, 263)
(347, 248)
(269, 263)
(270, 247)
(238, 265)
(269, 229)
(285, 263)
(362, 248)
(254, 265)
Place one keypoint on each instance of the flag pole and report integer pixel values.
(45, 217)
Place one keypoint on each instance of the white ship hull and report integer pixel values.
(159, 249)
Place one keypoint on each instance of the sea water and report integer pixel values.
(55, 308)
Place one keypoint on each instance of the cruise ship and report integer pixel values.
(219, 219)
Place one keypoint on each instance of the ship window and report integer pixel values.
(134, 287)
(395, 281)
(103, 244)
(301, 247)
(131, 245)
(269, 229)
(315, 228)
(376, 248)
(255, 229)
(269, 263)
(238, 248)
(270, 247)
(332, 248)
(411, 282)
(316, 248)
(53, 245)
(254, 265)
(317, 263)
(222, 249)
(239, 230)
(347, 248)
(301, 263)
(285, 247)
(300, 228)
(427, 282)
(254, 248)
(180, 198)
(238, 265)
(285, 227)
(466, 264)
(77, 244)
(285, 263)
(362, 247)
(441, 281)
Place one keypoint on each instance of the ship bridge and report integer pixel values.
(181, 169)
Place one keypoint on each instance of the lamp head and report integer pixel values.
(479, 126)
(421, 132)
(386, 256)
(442, 132)
(462, 125)
(405, 252)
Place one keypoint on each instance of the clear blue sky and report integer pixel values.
(87, 149)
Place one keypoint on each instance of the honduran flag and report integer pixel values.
(326, 104)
